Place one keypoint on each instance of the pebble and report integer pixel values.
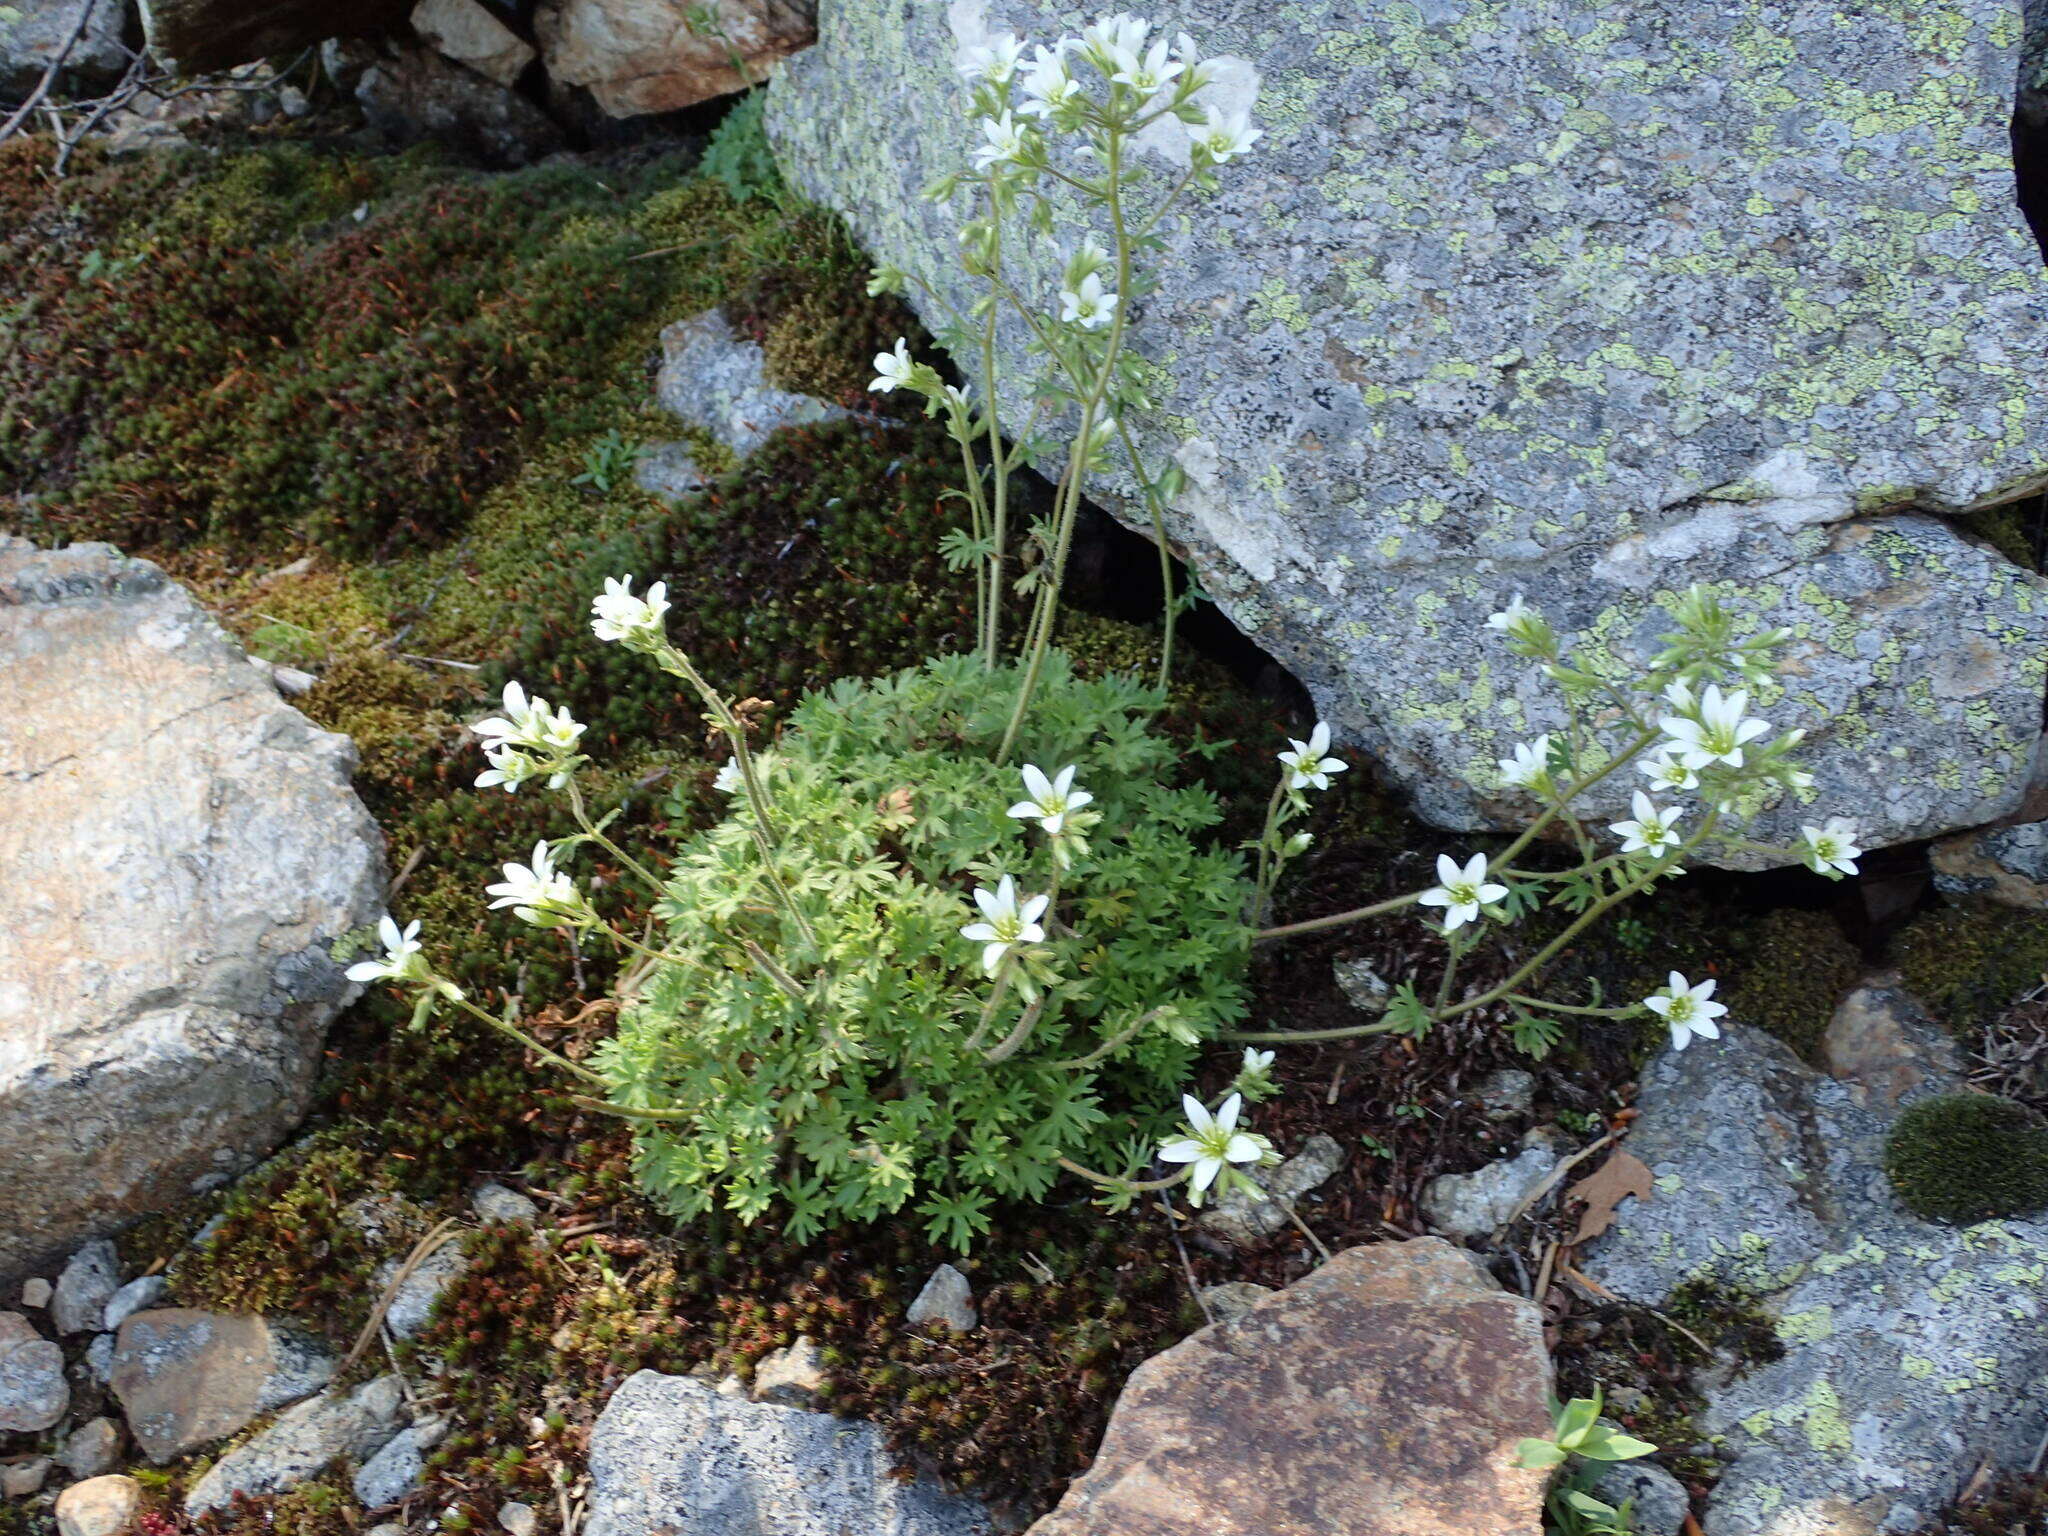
(1660, 1503)
(946, 1298)
(494, 1202)
(1363, 987)
(35, 1293)
(136, 1296)
(92, 1448)
(1474, 1204)
(793, 1377)
(34, 1393)
(99, 1506)
(1232, 1299)
(89, 1281)
(1506, 1094)
(519, 1519)
(21, 1479)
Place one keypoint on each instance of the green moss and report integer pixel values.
(2017, 530)
(1788, 972)
(1967, 1157)
(1969, 963)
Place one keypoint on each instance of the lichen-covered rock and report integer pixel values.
(1913, 1351)
(2008, 865)
(1582, 302)
(34, 34)
(672, 1453)
(182, 850)
(78, 1303)
(717, 381)
(1382, 1395)
(641, 56)
(1474, 1204)
(390, 1474)
(186, 1378)
(305, 1441)
(33, 1391)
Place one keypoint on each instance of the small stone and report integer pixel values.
(1505, 1095)
(1884, 1046)
(518, 1518)
(186, 1378)
(1658, 1501)
(89, 1281)
(292, 101)
(1246, 1220)
(99, 1506)
(946, 1298)
(1362, 986)
(388, 1528)
(99, 1359)
(92, 1448)
(793, 1377)
(494, 1202)
(668, 471)
(23, 1479)
(33, 1391)
(413, 1303)
(303, 1442)
(715, 379)
(1475, 1204)
(35, 1292)
(136, 1296)
(1233, 1298)
(393, 1472)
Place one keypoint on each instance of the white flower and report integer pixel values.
(1006, 143)
(1461, 892)
(1831, 849)
(1113, 38)
(1088, 306)
(1514, 618)
(1256, 1060)
(539, 894)
(1667, 773)
(1529, 768)
(1148, 74)
(892, 369)
(1052, 800)
(397, 964)
(1224, 135)
(1306, 766)
(1212, 1141)
(509, 767)
(1652, 831)
(994, 60)
(531, 724)
(616, 614)
(1719, 732)
(1686, 1010)
(1047, 81)
(730, 780)
(1008, 925)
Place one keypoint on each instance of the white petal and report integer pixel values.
(1186, 1150)
(1226, 1117)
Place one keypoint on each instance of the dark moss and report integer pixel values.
(1787, 973)
(1967, 1157)
(1969, 963)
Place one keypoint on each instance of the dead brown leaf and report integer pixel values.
(1604, 1189)
(894, 808)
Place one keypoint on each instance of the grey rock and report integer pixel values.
(669, 1452)
(1582, 303)
(1913, 1351)
(945, 1298)
(92, 1449)
(793, 1376)
(494, 1202)
(36, 1292)
(34, 1393)
(640, 56)
(1657, 1501)
(395, 1470)
(138, 1295)
(165, 980)
(1363, 987)
(1476, 1204)
(303, 1442)
(24, 1479)
(2008, 865)
(669, 471)
(88, 1283)
(713, 379)
(412, 1305)
(1507, 1094)
(41, 31)
(388, 1528)
(1246, 1221)
(464, 31)
(1232, 1299)
(99, 1359)
(1884, 1047)
(519, 1519)
(186, 1378)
